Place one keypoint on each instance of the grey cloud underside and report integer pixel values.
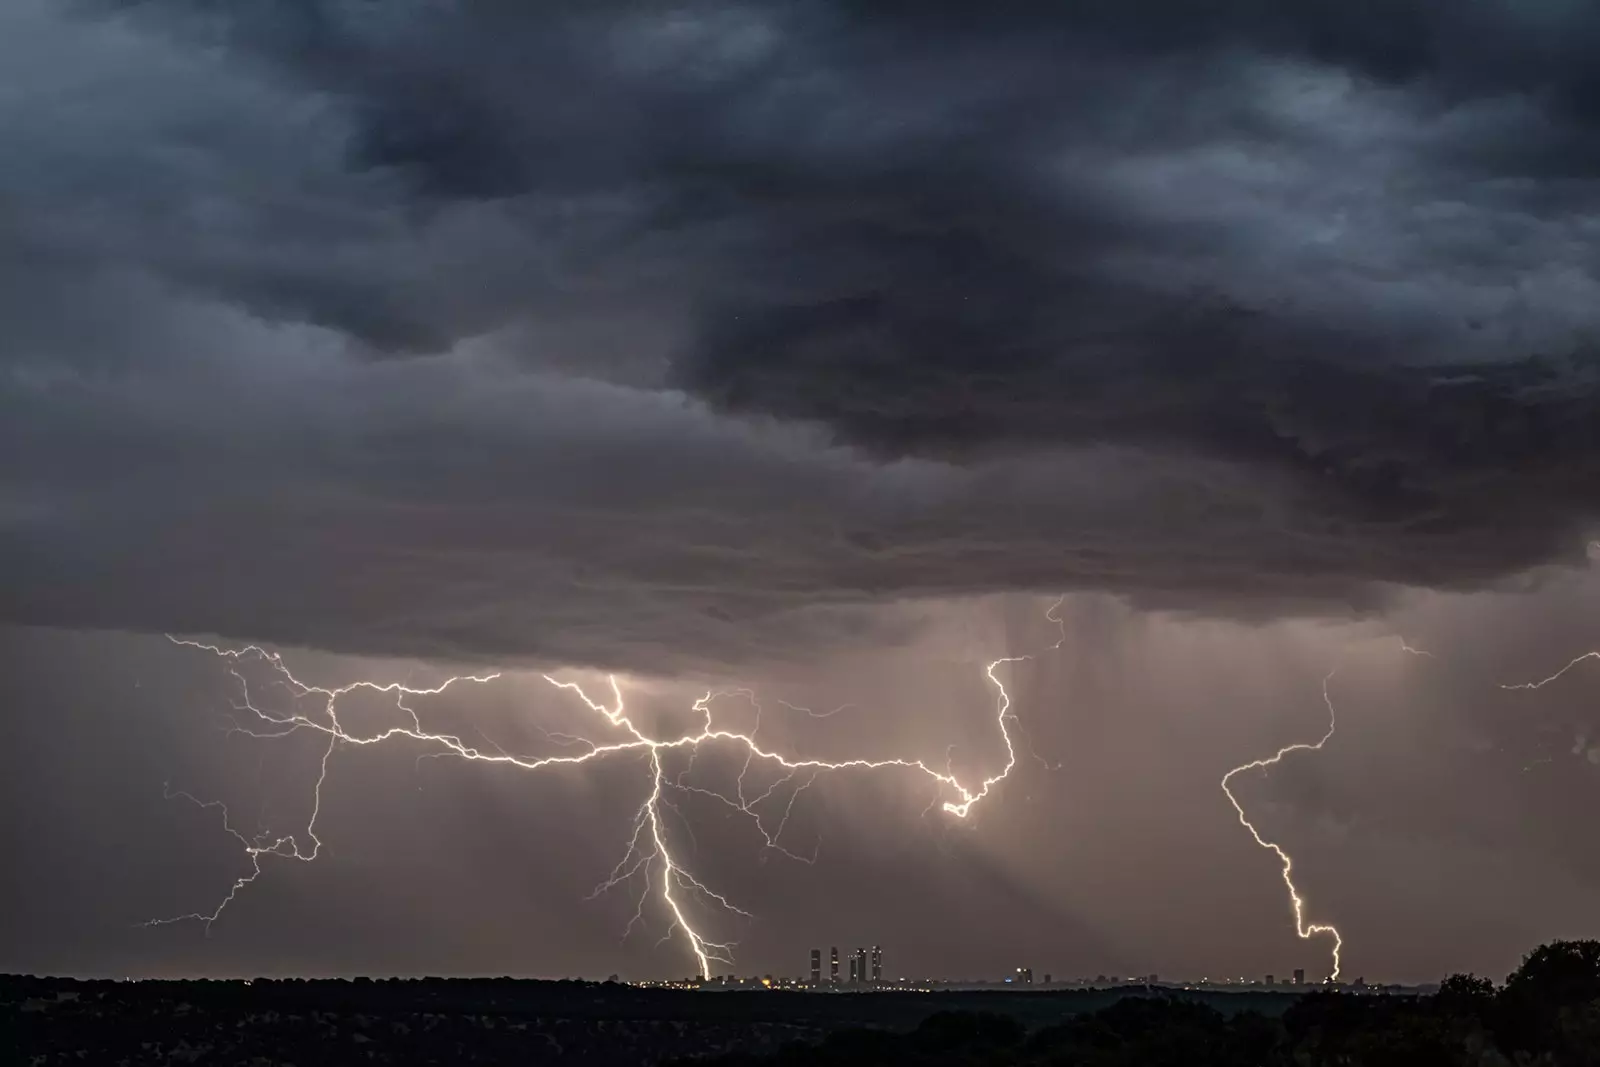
(678, 336)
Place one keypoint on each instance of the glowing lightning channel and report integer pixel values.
(1593, 548)
(1301, 928)
(1051, 613)
(1404, 647)
(1541, 683)
(649, 855)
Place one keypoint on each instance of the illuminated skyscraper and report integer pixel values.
(861, 965)
(855, 967)
(833, 965)
(877, 963)
(816, 966)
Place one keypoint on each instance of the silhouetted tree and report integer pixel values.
(1562, 972)
(1465, 995)
(1545, 1000)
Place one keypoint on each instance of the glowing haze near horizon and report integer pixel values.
(821, 357)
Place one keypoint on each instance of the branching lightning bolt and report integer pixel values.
(1304, 930)
(649, 856)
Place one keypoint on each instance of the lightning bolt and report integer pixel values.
(1593, 550)
(1541, 683)
(1051, 613)
(649, 856)
(1304, 930)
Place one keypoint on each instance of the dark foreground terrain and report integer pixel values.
(494, 1021)
(1548, 1012)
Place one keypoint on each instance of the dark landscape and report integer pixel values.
(1547, 1012)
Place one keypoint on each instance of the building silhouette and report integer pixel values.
(1024, 975)
(1270, 981)
(864, 965)
(1299, 976)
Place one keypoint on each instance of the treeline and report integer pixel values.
(1546, 1013)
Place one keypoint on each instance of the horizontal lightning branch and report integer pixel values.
(1541, 683)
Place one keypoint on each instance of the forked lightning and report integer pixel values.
(649, 855)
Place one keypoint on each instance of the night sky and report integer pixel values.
(830, 350)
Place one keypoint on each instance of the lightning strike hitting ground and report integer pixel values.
(1301, 928)
(649, 855)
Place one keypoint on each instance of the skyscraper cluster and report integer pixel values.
(864, 965)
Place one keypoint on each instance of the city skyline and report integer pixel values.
(863, 965)
(1022, 978)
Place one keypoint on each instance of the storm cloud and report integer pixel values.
(678, 336)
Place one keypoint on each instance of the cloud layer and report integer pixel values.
(674, 337)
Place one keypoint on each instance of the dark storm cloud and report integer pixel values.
(648, 334)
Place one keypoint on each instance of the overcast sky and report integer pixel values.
(817, 348)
